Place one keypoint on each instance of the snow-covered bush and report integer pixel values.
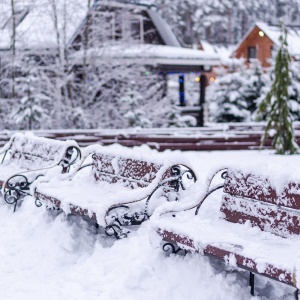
(175, 119)
(31, 111)
(232, 97)
(132, 103)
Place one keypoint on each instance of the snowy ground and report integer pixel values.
(48, 257)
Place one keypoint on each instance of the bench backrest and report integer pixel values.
(132, 173)
(252, 198)
(31, 152)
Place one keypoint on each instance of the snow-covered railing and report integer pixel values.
(257, 228)
(122, 188)
(227, 136)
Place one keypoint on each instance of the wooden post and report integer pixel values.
(181, 91)
(202, 100)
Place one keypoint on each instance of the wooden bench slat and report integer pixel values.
(55, 203)
(114, 169)
(246, 263)
(249, 264)
(259, 188)
(279, 221)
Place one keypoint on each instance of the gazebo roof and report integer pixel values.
(165, 57)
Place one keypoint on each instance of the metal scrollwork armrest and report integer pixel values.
(14, 188)
(179, 171)
(116, 225)
(208, 192)
(224, 175)
(67, 161)
(175, 182)
(171, 248)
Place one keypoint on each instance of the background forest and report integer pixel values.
(42, 85)
(224, 22)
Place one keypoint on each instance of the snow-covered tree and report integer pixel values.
(174, 118)
(232, 97)
(294, 90)
(132, 100)
(276, 106)
(223, 21)
(30, 112)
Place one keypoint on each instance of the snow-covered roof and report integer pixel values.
(163, 28)
(37, 28)
(222, 51)
(160, 24)
(273, 33)
(155, 55)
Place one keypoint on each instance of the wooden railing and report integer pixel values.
(232, 136)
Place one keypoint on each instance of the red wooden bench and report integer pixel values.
(116, 192)
(26, 157)
(257, 228)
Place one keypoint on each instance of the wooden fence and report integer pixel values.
(233, 136)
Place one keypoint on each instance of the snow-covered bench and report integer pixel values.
(257, 228)
(116, 191)
(26, 157)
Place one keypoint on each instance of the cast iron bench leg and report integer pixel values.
(297, 294)
(251, 283)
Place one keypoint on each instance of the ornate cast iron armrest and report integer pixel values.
(69, 176)
(212, 190)
(17, 186)
(170, 247)
(175, 182)
(115, 226)
(83, 155)
(199, 203)
(67, 161)
(177, 173)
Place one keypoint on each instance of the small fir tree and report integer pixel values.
(294, 90)
(275, 106)
(30, 113)
(132, 102)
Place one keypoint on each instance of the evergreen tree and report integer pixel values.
(275, 105)
(233, 95)
(132, 102)
(294, 90)
(30, 112)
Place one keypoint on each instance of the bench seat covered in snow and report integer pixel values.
(117, 190)
(257, 228)
(26, 157)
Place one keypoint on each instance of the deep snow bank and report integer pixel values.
(47, 257)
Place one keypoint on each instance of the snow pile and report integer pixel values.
(43, 256)
(59, 258)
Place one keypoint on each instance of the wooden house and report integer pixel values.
(261, 40)
(110, 30)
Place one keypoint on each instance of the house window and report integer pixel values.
(273, 52)
(252, 53)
